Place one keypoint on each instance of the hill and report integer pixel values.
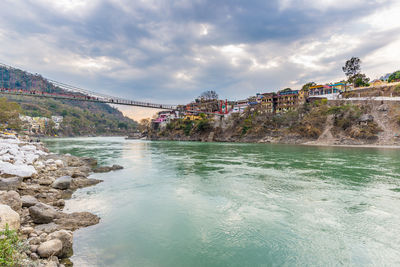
(79, 118)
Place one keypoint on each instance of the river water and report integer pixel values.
(224, 204)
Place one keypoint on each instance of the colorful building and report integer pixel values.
(286, 100)
(268, 102)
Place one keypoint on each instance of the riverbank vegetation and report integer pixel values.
(11, 248)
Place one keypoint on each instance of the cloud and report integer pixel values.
(169, 52)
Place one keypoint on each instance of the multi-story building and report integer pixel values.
(286, 100)
(268, 102)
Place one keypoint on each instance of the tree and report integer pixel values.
(352, 69)
(360, 80)
(287, 90)
(395, 76)
(307, 86)
(9, 114)
(209, 95)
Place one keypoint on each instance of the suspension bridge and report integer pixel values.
(37, 86)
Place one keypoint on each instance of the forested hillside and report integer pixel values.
(80, 118)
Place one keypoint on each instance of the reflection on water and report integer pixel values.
(202, 204)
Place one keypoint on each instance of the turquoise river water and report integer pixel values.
(224, 204)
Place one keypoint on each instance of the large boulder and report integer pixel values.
(47, 228)
(84, 182)
(116, 167)
(62, 183)
(50, 248)
(21, 170)
(76, 220)
(29, 201)
(11, 183)
(89, 161)
(42, 213)
(102, 169)
(12, 199)
(10, 217)
(366, 118)
(66, 238)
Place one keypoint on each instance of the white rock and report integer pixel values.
(59, 163)
(22, 170)
(50, 248)
(10, 217)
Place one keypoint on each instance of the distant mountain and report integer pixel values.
(80, 118)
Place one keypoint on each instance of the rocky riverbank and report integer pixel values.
(33, 187)
(341, 123)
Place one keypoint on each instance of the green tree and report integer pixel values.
(395, 76)
(9, 114)
(352, 69)
(360, 80)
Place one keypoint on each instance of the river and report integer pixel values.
(224, 204)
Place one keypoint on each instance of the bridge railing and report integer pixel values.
(79, 94)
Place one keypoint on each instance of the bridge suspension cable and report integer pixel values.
(77, 93)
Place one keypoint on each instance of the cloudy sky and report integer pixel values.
(170, 51)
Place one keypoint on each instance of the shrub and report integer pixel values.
(9, 247)
(188, 128)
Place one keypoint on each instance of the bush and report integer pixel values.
(188, 128)
(395, 76)
(203, 125)
(10, 245)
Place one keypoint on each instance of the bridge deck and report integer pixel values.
(98, 99)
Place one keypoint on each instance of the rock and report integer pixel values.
(47, 228)
(42, 213)
(29, 201)
(366, 118)
(46, 180)
(34, 240)
(26, 230)
(108, 168)
(12, 199)
(383, 108)
(11, 183)
(89, 161)
(33, 248)
(59, 203)
(43, 237)
(74, 161)
(59, 163)
(77, 174)
(51, 264)
(62, 183)
(66, 239)
(34, 256)
(102, 169)
(20, 170)
(50, 248)
(116, 167)
(10, 217)
(76, 220)
(84, 182)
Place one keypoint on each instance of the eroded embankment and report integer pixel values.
(320, 122)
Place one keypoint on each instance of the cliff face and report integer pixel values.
(341, 122)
